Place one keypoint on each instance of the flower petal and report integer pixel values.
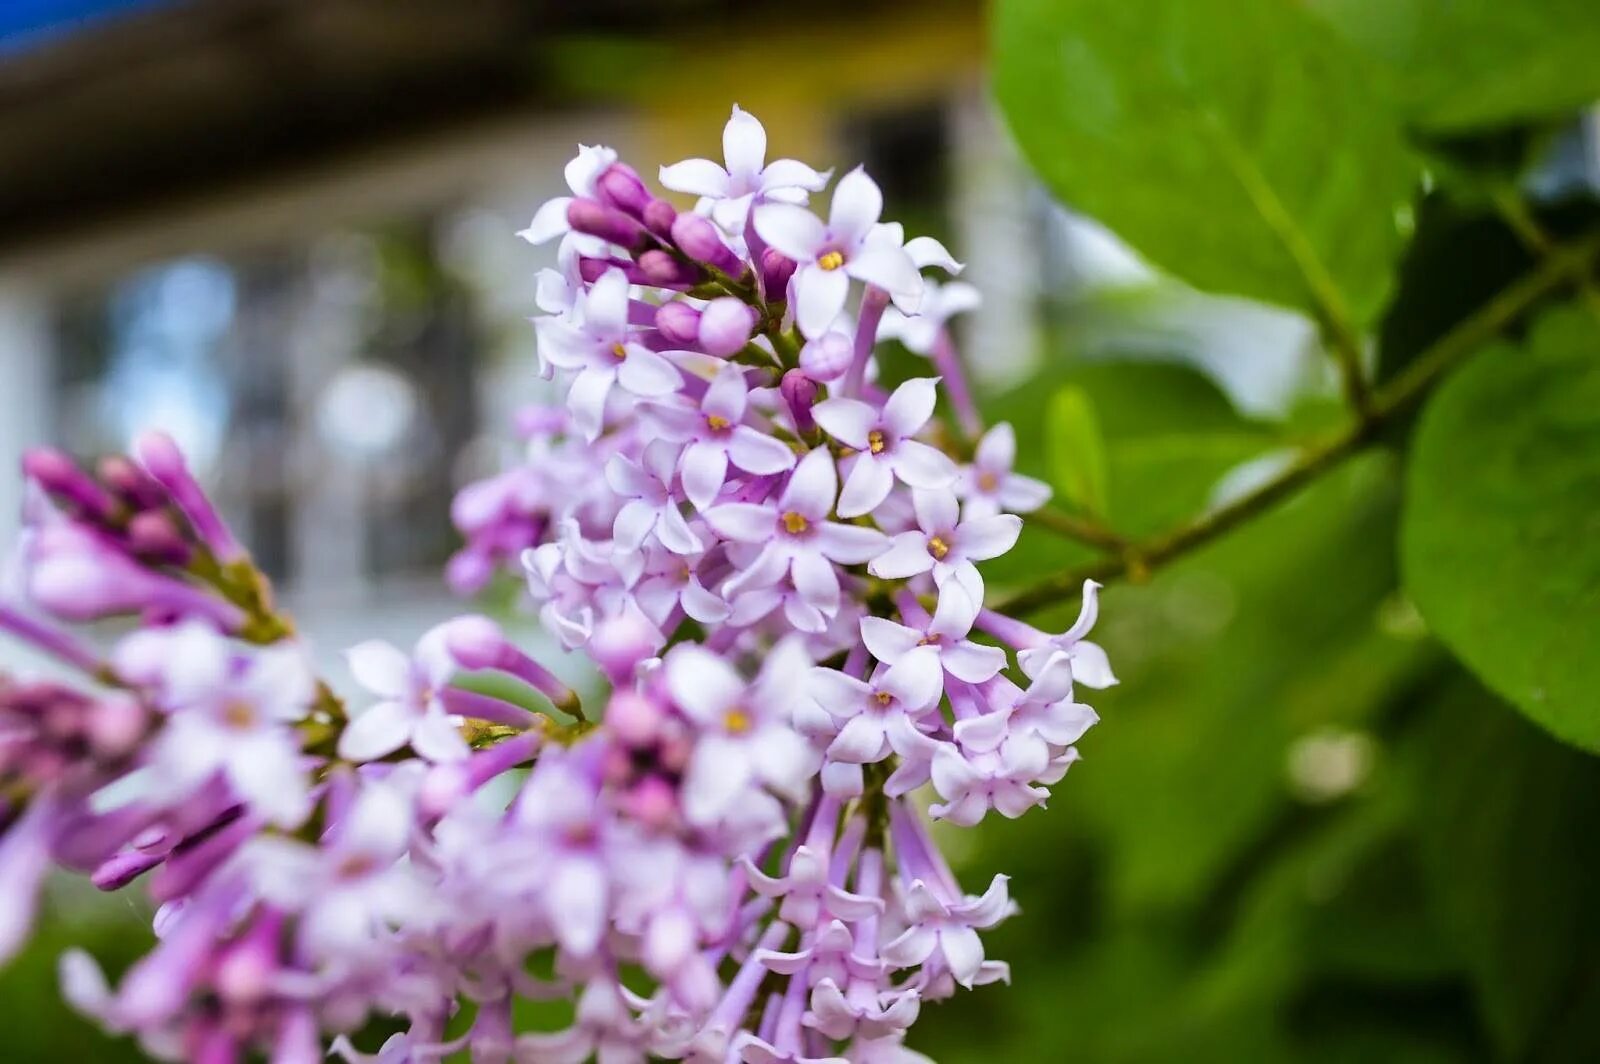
(377, 731)
(982, 538)
(380, 667)
(866, 485)
(907, 556)
(819, 296)
(646, 373)
(698, 177)
(922, 466)
(850, 544)
(704, 469)
(743, 522)
(812, 486)
(701, 683)
(891, 270)
(857, 204)
(888, 641)
(744, 144)
(911, 405)
(847, 420)
(794, 231)
(756, 452)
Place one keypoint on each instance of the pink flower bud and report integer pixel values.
(658, 218)
(607, 223)
(725, 326)
(619, 186)
(827, 357)
(679, 322)
(698, 238)
(633, 718)
(800, 393)
(776, 269)
(60, 476)
(662, 270)
(164, 462)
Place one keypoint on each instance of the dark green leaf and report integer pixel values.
(1501, 541)
(1236, 143)
(1506, 817)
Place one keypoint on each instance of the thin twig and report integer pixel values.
(1393, 399)
(1081, 529)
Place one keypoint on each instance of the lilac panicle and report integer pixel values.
(770, 557)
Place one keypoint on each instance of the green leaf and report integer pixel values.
(1506, 820)
(1458, 64)
(1077, 451)
(1501, 540)
(1238, 144)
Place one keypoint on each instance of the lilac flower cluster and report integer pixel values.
(772, 558)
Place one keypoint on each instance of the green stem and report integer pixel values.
(1137, 560)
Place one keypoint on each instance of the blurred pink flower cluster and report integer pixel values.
(772, 559)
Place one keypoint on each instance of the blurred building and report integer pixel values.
(284, 231)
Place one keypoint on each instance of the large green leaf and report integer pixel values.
(1458, 64)
(1238, 144)
(1506, 818)
(1501, 539)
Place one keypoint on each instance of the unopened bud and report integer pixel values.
(725, 326)
(800, 393)
(678, 322)
(607, 223)
(827, 357)
(697, 238)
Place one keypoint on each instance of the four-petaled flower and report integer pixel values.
(747, 178)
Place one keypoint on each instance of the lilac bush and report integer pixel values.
(771, 556)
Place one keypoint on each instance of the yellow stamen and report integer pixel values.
(988, 482)
(875, 441)
(736, 722)
(884, 698)
(239, 715)
(794, 523)
(619, 351)
(938, 547)
(717, 424)
(832, 260)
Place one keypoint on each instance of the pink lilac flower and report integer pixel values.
(651, 509)
(550, 221)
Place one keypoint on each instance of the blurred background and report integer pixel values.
(285, 232)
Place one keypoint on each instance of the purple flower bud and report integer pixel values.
(619, 186)
(658, 218)
(633, 718)
(154, 536)
(478, 643)
(60, 476)
(128, 482)
(800, 392)
(621, 642)
(776, 269)
(607, 223)
(164, 462)
(725, 326)
(697, 238)
(679, 322)
(77, 577)
(664, 271)
(827, 357)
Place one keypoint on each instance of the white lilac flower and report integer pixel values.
(1089, 663)
(831, 254)
(883, 445)
(229, 712)
(651, 509)
(947, 543)
(410, 710)
(939, 643)
(604, 352)
(989, 486)
(716, 437)
(746, 178)
(940, 302)
(550, 220)
(796, 537)
(749, 740)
